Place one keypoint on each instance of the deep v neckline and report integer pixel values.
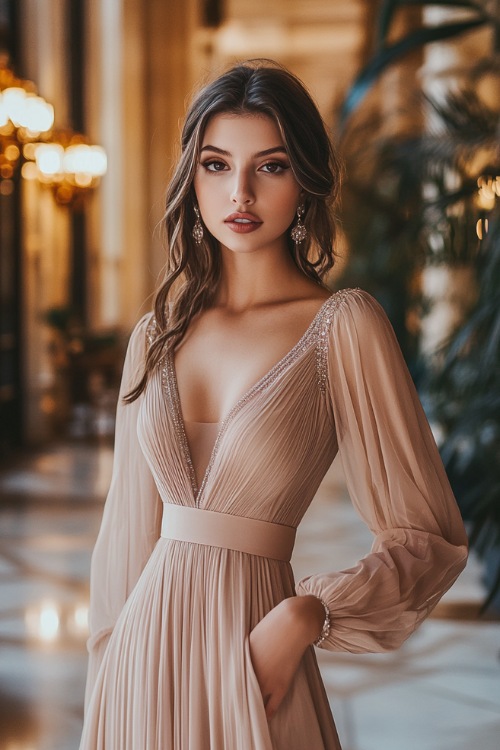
(172, 387)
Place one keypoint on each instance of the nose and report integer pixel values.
(242, 193)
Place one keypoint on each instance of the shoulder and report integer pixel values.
(144, 326)
(141, 335)
(353, 328)
(354, 312)
(356, 302)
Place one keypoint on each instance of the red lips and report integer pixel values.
(238, 215)
(242, 223)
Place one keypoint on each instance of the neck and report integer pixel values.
(257, 278)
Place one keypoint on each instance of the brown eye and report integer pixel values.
(274, 167)
(214, 166)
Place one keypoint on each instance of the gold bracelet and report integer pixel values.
(325, 630)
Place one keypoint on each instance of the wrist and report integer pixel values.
(325, 630)
(309, 611)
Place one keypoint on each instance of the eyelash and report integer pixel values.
(211, 162)
(281, 166)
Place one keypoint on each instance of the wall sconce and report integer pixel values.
(60, 160)
(70, 170)
(28, 113)
(24, 118)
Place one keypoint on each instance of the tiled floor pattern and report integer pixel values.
(441, 691)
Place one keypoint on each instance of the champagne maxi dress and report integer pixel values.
(173, 603)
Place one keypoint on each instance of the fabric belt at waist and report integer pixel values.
(187, 524)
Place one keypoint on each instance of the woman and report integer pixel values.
(236, 396)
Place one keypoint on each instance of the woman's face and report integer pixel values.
(244, 184)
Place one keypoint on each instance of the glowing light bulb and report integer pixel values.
(4, 114)
(98, 161)
(76, 159)
(81, 159)
(14, 99)
(49, 158)
(38, 114)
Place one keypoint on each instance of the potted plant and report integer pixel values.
(428, 198)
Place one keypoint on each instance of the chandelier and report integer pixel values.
(69, 166)
(61, 160)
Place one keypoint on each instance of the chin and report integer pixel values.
(250, 243)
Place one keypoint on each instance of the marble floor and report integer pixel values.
(440, 691)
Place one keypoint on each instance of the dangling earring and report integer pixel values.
(197, 230)
(299, 232)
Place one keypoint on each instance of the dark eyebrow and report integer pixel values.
(275, 150)
(267, 152)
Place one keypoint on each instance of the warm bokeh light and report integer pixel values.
(68, 170)
(6, 187)
(78, 621)
(487, 192)
(49, 622)
(12, 152)
(6, 171)
(13, 99)
(83, 179)
(49, 158)
(29, 171)
(38, 115)
(4, 115)
(26, 111)
(81, 159)
(43, 622)
(59, 159)
(482, 228)
(29, 151)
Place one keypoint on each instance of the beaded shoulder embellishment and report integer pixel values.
(323, 323)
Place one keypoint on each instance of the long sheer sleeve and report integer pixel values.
(131, 520)
(397, 483)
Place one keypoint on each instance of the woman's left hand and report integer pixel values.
(277, 644)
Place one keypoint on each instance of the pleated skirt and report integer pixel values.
(177, 672)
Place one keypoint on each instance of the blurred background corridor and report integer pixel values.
(91, 96)
(439, 692)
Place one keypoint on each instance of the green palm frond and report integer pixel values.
(389, 54)
(465, 117)
(393, 53)
(390, 8)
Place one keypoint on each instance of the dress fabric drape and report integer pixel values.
(169, 665)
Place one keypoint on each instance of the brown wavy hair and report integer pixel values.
(193, 272)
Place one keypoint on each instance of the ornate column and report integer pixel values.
(140, 69)
(46, 227)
